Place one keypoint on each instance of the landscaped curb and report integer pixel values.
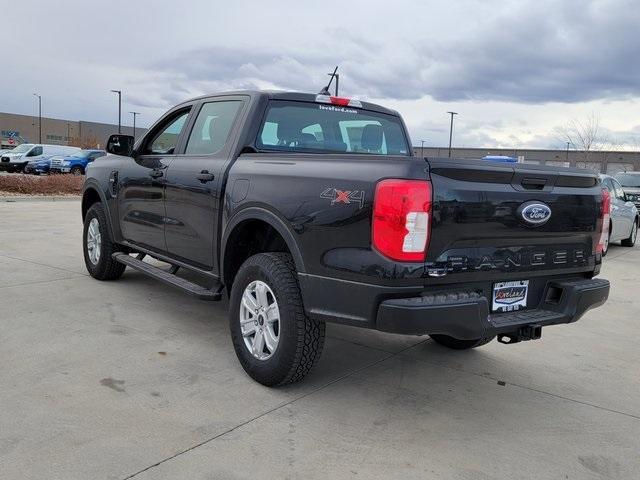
(40, 198)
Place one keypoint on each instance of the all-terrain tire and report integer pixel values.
(300, 338)
(455, 344)
(106, 268)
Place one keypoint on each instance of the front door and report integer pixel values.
(622, 213)
(141, 181)
(194, 183)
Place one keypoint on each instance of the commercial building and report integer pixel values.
(599, 161)
(16, 129)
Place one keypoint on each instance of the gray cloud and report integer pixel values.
(533, 52)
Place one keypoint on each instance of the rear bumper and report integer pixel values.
(466, 315)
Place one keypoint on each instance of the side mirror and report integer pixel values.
(120, 145)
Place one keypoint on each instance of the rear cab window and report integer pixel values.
(297, 126)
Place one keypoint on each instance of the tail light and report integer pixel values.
(402, 219)
(604, 218)
(340, 101)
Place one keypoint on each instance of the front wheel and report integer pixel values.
(631, 241)
(98, 246)
(275, 341)
(607, 241)
(76, 171)
(455, 344)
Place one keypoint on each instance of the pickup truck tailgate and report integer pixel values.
(479, 232)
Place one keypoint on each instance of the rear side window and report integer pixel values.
(314, 127)
(212, 127)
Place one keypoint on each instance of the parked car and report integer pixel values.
(75, 164)
(310, 208)
(500, 159)
(623, 216)
(17, 159)
(38, 167)
(630, 182)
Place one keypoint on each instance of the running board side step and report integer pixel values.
(167, 277)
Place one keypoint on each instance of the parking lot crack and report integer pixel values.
(274, 409)
(43, 264)
(532, 389)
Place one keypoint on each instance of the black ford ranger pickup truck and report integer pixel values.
(311, 208)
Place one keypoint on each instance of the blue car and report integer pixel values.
(75, 164)
(38, 167)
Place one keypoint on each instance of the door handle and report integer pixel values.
(156, 173)
(204, 176)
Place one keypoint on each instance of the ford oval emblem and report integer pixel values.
(535, 213)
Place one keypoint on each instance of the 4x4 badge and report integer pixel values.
(344, 196)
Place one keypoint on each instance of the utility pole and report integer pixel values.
(119, 109)
(39, 117)
(568, 151)
(451, 130)
(135, 114)
(422, 147)
(68, 133)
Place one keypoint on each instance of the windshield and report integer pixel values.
(314, 127)
(629, 179)
(25, 147)
(81, 154)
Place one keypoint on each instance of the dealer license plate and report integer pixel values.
(509, 296)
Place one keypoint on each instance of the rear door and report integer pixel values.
(141, 181)
(194, 182)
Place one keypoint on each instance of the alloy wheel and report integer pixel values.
(94, 241)
(260, 320)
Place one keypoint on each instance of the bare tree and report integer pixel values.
(584, 134)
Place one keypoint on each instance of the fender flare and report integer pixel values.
(94, 185)
(267, 216)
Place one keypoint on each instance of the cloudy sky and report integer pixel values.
(514, 70)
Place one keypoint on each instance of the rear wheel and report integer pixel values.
(457, 344)
(274, 339)
(631, 241)
(98, 246)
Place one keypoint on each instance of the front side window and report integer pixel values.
(35, 152)
(165, 140)
(321, 128)
(619, 192)
(212, 127)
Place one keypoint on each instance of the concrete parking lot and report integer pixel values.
(133, 379)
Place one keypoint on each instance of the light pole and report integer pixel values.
(135, 114)
(119, 92)
(451, 130)
(568, 151)
(39, 117)
(422, 147)
(68, 132)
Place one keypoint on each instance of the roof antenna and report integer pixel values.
(325, 90)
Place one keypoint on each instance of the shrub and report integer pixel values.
(41, 185)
